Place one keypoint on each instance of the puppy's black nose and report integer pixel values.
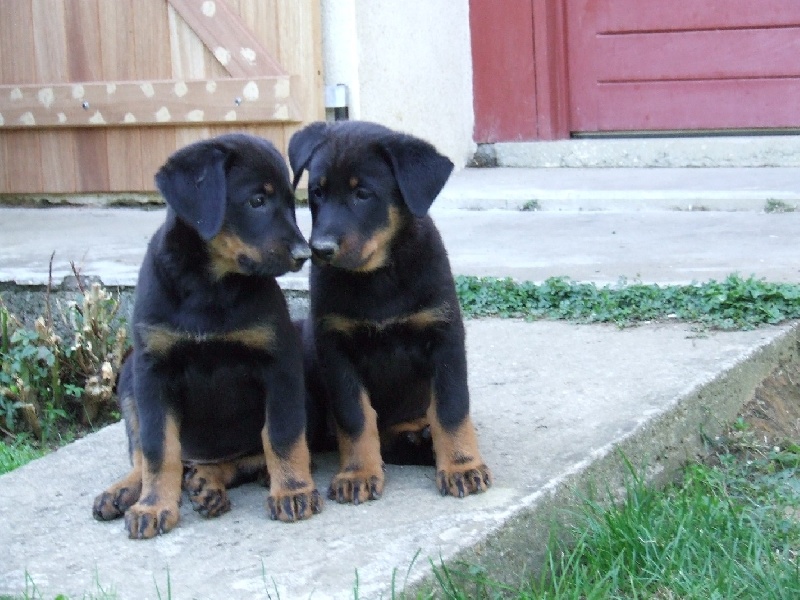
(301, 252)
(324, 249)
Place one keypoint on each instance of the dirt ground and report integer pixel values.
(774, 412)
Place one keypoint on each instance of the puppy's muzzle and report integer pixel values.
(300, 254)
(324, 249)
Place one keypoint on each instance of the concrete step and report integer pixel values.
(624, 189)
(556, 406)
(679, 151)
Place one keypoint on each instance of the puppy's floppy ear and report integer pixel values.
(419, 169)
(303, 145)
(192, 182)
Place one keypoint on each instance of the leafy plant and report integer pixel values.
(778, 206)
(734, 303)
(44, 381)
(530, 206)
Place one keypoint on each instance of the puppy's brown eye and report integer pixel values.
(317, 191)
(362, 194)
(257, 201)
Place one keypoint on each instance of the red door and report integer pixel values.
(659, 65)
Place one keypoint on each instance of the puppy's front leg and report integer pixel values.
(292, 494)
(157, 510)
(460, 470)
(360, 475)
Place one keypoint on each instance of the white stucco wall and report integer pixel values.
(407, 65)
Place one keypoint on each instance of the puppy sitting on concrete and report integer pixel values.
(384, 341)
(213, 391)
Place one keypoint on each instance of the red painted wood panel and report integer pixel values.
(719, 54)
(689, 15)
(655, 65)
(677, 105)
(504, 77)
(549, 55)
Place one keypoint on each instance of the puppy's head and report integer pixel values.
(364, 183)
(234, 192)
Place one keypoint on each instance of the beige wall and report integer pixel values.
(407, 65)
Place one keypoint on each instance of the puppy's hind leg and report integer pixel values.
(206, 483)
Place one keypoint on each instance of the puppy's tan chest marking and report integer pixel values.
(420, 320)
(161, 340)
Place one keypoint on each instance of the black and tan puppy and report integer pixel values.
(384, 339)
(213, 391)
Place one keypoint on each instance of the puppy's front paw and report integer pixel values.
(288, 506)
(356, 486)
(462, 481)
(144, 521)
(113, 503)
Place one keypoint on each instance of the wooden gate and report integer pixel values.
(95, 94)
(655, 65)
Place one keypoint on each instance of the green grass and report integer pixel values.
(19, 452)
(733, 303)
(728, 530)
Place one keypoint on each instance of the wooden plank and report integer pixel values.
(125, 103)
(687, 15)
(118, 48)
(156, 147)
(230, 41)
(92, 156)
(720, 54)
(190, 59)
(504, 76)
(153, 60)
(85, 64)
(300, 52)
(82, 22)
(57, 147)
(21, 153)
(151, 55)
(679, 105)
(150, 103)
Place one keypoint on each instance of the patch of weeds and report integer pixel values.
(734, 303)
(49, 387)
(531, 205)
(778, 206)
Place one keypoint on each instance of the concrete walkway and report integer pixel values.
(553, 402)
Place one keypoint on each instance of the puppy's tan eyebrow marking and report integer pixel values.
(353, 182)
(323, 181)
(269, 188)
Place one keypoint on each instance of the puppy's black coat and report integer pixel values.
(384, 341)
(213, 391)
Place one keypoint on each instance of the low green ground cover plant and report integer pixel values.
(733, 303)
